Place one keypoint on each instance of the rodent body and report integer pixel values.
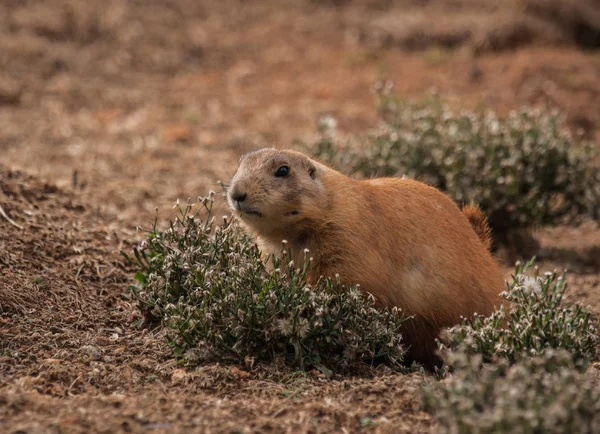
(403, 241)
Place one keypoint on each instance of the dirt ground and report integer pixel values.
(111, 109)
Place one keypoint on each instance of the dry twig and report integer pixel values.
(8, 219)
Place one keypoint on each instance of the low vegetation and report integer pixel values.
(223, 302)
(543, 394)
(521, 369)
(535, 320)
(523, 170)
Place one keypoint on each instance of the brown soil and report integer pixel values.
(111, 109)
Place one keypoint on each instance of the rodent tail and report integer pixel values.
(479, 222)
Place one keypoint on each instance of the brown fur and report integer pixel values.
(479, 223)
(404, 242)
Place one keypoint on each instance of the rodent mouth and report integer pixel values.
(242, 210)
(251, 212)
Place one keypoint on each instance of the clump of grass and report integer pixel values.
(223, 302)
(544, 394)
(523, 170)
(534, 320)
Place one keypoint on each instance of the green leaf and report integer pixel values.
(140, 277)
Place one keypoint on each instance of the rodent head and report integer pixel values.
(274, 190)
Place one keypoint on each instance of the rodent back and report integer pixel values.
(426, 256)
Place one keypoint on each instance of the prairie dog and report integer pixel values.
(403, 241)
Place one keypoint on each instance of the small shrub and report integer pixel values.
(523, 170)
(545, 394)
(209, 284)
(537, 320)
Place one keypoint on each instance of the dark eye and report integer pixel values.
(282, 172)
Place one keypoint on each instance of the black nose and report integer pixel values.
(237, 196)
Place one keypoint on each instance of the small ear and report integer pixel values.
(311, 169)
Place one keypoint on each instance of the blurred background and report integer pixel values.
(137, 103)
